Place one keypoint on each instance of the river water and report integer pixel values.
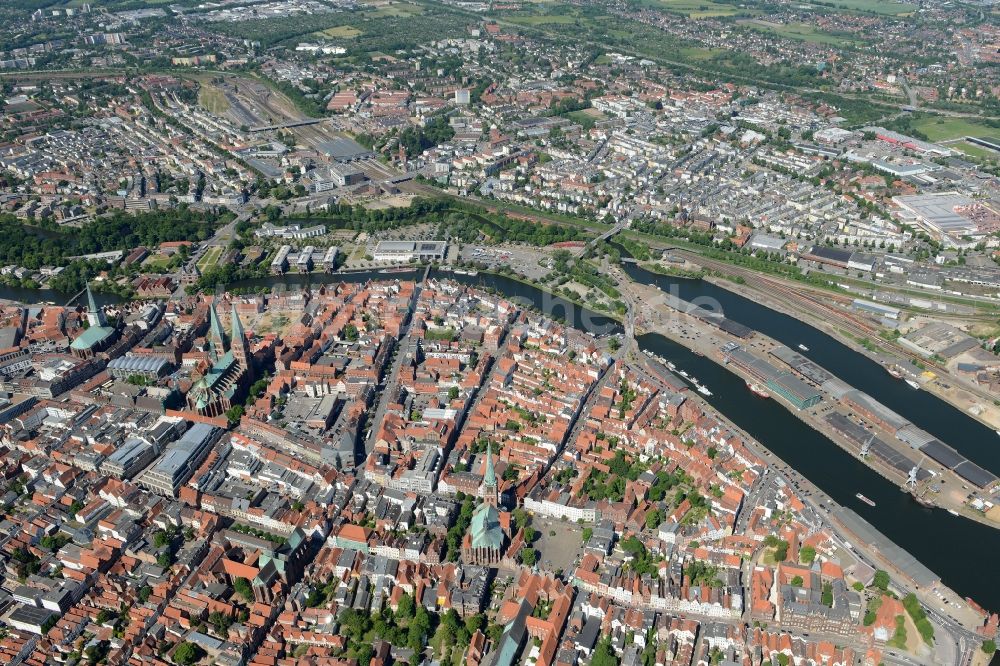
(977, 442)
(960, 551)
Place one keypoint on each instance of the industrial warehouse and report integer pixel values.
(785, 384)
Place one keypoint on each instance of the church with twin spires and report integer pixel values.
(230, 369)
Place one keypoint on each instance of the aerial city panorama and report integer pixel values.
(499, 332)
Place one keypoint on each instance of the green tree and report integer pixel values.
(404, 610)
(989, 646)
(234, 413)
(520, 517)
(243, 588)
(187, 653)
(826, 596)
(220, 621)
(881, 580)
(529, 556)
(474, 623)
(603, 654)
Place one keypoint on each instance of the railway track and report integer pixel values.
(818, 305)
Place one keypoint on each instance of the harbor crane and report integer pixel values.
(867, 446)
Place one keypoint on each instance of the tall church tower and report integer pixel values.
(216, 336)
(239, 346)
(489, 487)
(95, 315)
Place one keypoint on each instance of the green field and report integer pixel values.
(695, 8)
(210, 258)
(340, 32)
(586, 118)
(942, 129)
(395, 9)
(973, 150)
(542, 19)
(584, 115)
(156, 262)
(696, 53)
(886, 7)
(212, 99)
(802, 32)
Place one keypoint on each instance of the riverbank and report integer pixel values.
(528, 282)
(704, 339)
(983, 411)
(823, 505)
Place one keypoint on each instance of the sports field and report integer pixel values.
(939, 128)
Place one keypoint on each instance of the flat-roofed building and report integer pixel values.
(304, 263)
(876, 308)
(337, 175)
(407, 251)
(130, 458)
(330, 258)
(943, 214)
(180, 459)
(280, 262)
(29, 618)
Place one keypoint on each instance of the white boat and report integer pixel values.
(865, 499)
(998, 432)
(757, 390)
(684, 373)
(913, 384)
(704, 390)
(953, 512)
(670, 364)
(803, 347)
